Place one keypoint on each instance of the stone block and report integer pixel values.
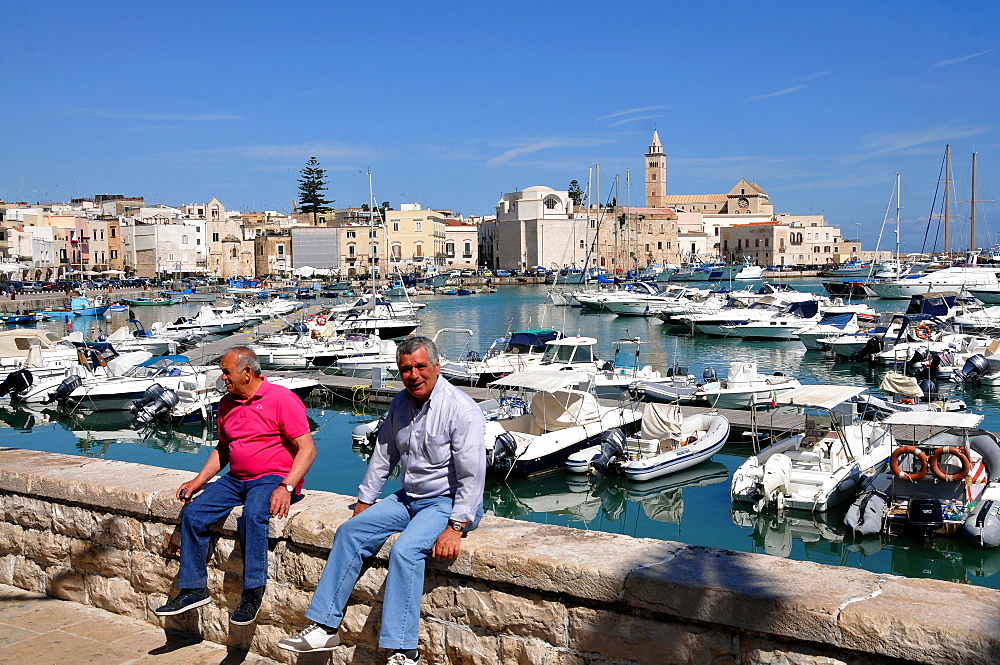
(361, 624)
(586, 564)
(498, 612)
(121, 487)
(115, 594)
(67, 584)
(22, 468)
(11, 539)
(120, 531)
(163, 504)
(516, 651)
(151, 573)
(926, 621)
(755, 592)
(91, 558)
(162, 539)
(757, 651)
(462, 646)
(46, 548)
(28, 575)
(26, 511)
(642, 640)
(73, 521)
(313, 521)
(226, 555)
(371, 584)
(7, 568)
(285, 607)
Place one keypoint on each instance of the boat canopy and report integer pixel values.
(837, 320)
(163, 361)
(533, 340)
(804, 308)
(935, 419)
(824, 396)
(936, 304)
(558, 410)
(542, 380)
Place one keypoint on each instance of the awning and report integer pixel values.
(823, 396)
(935, 419)
(542, 380)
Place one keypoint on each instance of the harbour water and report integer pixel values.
(692, 508)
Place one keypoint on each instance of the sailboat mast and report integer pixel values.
(947, 193)
(972, 208)
(898, 208)
(617, 227)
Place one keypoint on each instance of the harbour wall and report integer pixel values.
(104, 533)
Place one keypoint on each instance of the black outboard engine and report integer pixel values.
(917, 363)
(709, 375)
(929, 389)
(501, 458)
(873, 346)
(923, 514)
(16, 383)
(473, 356)
(973, 370)
(300, 327)
(180, 321)
(612, 451)
(155, 402)
(63, 390)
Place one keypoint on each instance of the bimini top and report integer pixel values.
(935, 419)
(820, 395)
(542, 380)
(163, 361)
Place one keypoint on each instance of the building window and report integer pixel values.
(114, 232)
(397, 250)
(395, 227)
(352, 234)
(215, 237)
(233, 253)
(418, 225)
(170, 257)
(449, 248)
(668, 245)
(652, 176)
(322, 220)
(467, 254)
(350, 250)
(184, 240)
(593, 223)
(550, 203)
(281, 250)
(418, 250)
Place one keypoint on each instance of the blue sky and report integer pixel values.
(820, 104)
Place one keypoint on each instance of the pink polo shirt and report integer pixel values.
(258, 431)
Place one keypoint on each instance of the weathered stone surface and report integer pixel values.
(11, 539)
(121, 531)
(313, 520)
(586, 564)
(28, 575)
(27, 511)
(151, 573)
(370, 585)
(284, 606)
(91, 558)
(926, 621)
(618, 636)
(464, 647)
(7, 568)
(67, 584)
(21, 468)
(116, 595)
(756, 651)
(751, 591)
(225, 554)
(46, 548)
(111, 485)
(161, 538)
(73, 521)
(515, 651)
(361, 624)
(498, 612)
(297, 567)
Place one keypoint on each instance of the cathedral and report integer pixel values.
(745, 198)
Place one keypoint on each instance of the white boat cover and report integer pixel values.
(896, 383)
(17, 343)
(120, 335)
(564, 408)
(742, 372)
(543, 380)
(661, 422)
(935, 419)
(824, 396)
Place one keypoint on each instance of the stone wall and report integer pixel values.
(103, 533)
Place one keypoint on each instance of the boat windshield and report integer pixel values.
(567, 353)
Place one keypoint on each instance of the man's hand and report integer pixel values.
(281, 500)
(360, 507)
(448, 545)
(187, 490)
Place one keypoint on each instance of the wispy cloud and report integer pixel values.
(641, 109)
(794, 88)
(170, 117)
(543, 144)
(638, 117)
(954, 61)
(875, 144)
(810, 77)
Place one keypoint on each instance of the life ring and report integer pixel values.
(906, 400)
(321, 321)
(935, 463)
(923, 331)
(913, 475)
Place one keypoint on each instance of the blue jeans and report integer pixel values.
(421, 521)
(213, 503)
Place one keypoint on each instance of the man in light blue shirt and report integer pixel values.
(434, 433)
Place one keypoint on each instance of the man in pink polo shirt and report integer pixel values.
(264, 438)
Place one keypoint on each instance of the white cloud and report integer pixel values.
(954, 61)
(639, 117)
(544, 144)
(337, 152)
(889, 143)
(641, 109)
(813, 76)
(794, 88)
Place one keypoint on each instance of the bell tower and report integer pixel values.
(656, 174)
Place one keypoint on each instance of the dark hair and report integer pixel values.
(245, 357)
(409, 346)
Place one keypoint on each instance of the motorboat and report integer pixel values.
(205, 322)
(831, 325)
(718, 323)
(80, 305)
(136, 338)
(363, 365)
(116, 393)
(945, 484)
(953, 278)
(905, 394)
(667, 442)
(53, 355)
(744, 387)
(853, 289)
(852, 268)
(559, 421)
(781, 325)
(94, 361)
(511, 353)
(823, 465)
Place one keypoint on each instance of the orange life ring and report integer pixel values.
(923, 331)
(913, 475)
(906, 400)
(935, 463)
(321, 321)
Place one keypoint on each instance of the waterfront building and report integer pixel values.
(272, 254)
(535, 227)
(316, 246)
(656, 174)
(164, 250)
(787, 240)
(227, 253)
(461, 244)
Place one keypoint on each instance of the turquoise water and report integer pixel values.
(694, 508)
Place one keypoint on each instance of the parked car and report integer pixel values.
(502, 273)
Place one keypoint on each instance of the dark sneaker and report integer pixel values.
(246, 611)
(187, 599)
(313, 638)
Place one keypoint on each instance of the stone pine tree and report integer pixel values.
(312, 186)
(575, 192)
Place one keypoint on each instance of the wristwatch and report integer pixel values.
(290, 488)
(455, 526)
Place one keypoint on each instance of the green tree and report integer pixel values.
(312, 186)
(575, 192)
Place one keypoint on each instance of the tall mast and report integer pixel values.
(972, 208)
(898, 208)
(947, 193)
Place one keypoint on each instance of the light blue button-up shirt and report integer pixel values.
(440, 449)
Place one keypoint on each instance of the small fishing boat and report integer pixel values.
(19, 319)
(148, 302)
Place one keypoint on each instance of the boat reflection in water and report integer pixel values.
(823, 538)
(582, 498)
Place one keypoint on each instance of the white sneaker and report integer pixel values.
(401, 659)
(312, 638)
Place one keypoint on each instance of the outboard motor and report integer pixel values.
(612, 450)
(923, 514)
(929, 389)
(709, 375)
(973, 369)
(501, 458)
(473, 356)
(917, 364)
(873, 346)
(982, 527)
(365, 434)
(300, 327)
(16, 383)
(156, 401)
(63, 390)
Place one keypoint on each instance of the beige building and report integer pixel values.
(272, 254)
(227, 254)
(461, 244)
(787, 240)
(414, 238)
